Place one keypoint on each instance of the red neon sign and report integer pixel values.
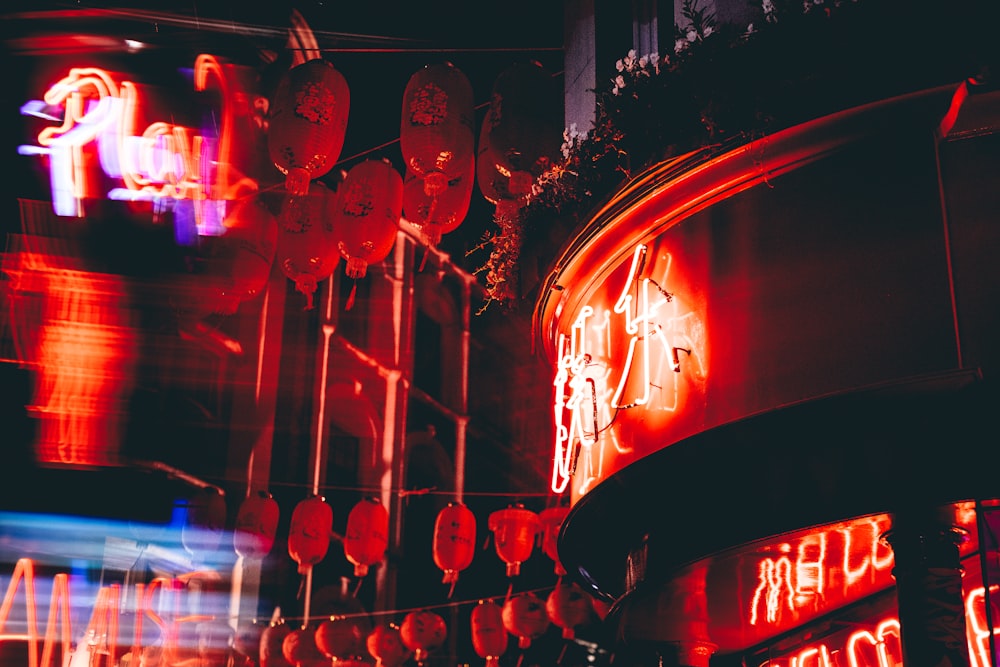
(630, 356)
(101, 132)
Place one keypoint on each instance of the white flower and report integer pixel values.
(709, 30)
(692, 34)
(680, 45)
(619, 81)
(619, 66)
(643, 61)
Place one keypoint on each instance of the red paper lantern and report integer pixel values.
(385, 643)
(454, 543)
(256, 525)
(299, 648)
(271, 642)
(551, 520)
(514, 531)
(438, 214)
(307, 246)
(204, 521)
(569, 607)
(369, 205)
(524, 616)
(308, 122)
(251, 233)
(422, 632)
(309, 532)
(489, 637)
(436, 135)
(340, 638)
(367, 536)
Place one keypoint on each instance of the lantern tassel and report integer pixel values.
(350, 297)
(562, 654)
(357, 587)
(451, 589)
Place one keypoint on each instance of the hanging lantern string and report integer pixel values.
(386, 144)
(403, 493)
(396, 612)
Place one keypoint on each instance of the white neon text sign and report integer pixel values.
(593, 381)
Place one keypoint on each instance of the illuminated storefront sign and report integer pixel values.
(102, 134)
(632, 355)
(877, 643)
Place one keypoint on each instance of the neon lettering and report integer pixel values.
(164, 161)
(587, 395)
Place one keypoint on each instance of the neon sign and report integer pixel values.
(101, 133)
(798, 580)
(593, 382)
(878, 645)
(159, 602)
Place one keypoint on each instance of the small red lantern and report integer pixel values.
(569, 607)
(367, 536)
(454, 540)
(514, 532)
(423, 632)
(308, 122)
(271, 642)
(551, 520)
(299, 648)
(489, 637)
(204, 521)
(251, 235)
(369, 205)
(385, 643)
(309, 532)
(256, 525)
(442, 212)
(524, 616)
(307, 247)
(340, 638)
(436, 135)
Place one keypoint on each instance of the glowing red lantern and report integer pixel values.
(299, 648)
(340, 638)
(309, 532)
(308, 122)
(438, 214)
(307, 247)
(569, 607)
(369, 205)
(524, 616)
(204, 521)
(514, 531)
(271, 642)
(551, 520)
(256, 525)
(385, 643)
(367, 536)
(436, 135)
(251, 233)
(423, 632)
(489, 637)
(454, 543)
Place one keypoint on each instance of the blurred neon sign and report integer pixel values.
(101, 133)
(101, 635)
(592, 384)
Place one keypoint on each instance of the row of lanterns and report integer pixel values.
(515, 530)
(316, 228)
(347, 639)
